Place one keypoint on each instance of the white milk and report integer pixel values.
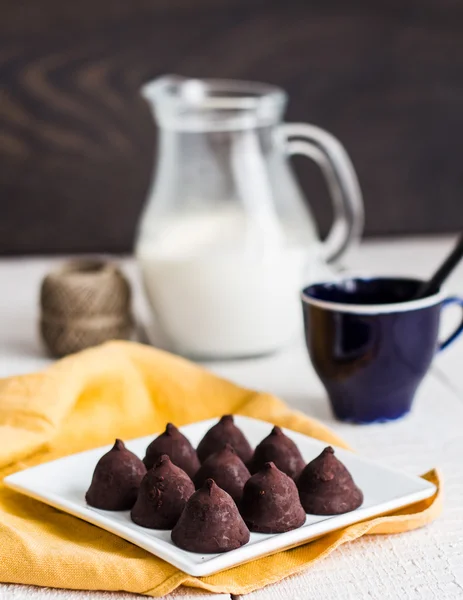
(219, 288)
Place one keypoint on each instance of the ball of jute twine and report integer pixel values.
(84, 303)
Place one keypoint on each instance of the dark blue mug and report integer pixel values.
(371, 344)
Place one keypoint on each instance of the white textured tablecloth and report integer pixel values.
(427, 563)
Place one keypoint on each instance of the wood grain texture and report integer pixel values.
(77, 141)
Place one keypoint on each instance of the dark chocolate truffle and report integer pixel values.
(210, 522)
(279, 449)
(116, 479)
(270, 502)
(326, 487)
(162, 496)
(177, 447)
(227, 469)
(224, 432)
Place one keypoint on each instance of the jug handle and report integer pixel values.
(341, 179)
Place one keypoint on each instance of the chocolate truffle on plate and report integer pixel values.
(176, 446)
(116, 479)
(227, 469)
(210, 522)
(279, 449)
(326, 487)
(270, 502)
(162, 496)
(224, 432)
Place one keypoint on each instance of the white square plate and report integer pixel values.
(63, 483)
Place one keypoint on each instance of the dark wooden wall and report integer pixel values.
(76, 141)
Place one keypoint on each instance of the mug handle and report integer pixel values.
(341, 179)
(453, 336)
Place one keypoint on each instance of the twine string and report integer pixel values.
(84, 303)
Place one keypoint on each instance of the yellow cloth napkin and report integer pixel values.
(128, 390)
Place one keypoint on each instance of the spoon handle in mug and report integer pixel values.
(433, 285)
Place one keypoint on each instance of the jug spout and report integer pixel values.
(160, 87)
(174, 89)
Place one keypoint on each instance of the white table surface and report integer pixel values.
(427, 563)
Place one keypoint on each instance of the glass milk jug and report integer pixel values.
(226, 239)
